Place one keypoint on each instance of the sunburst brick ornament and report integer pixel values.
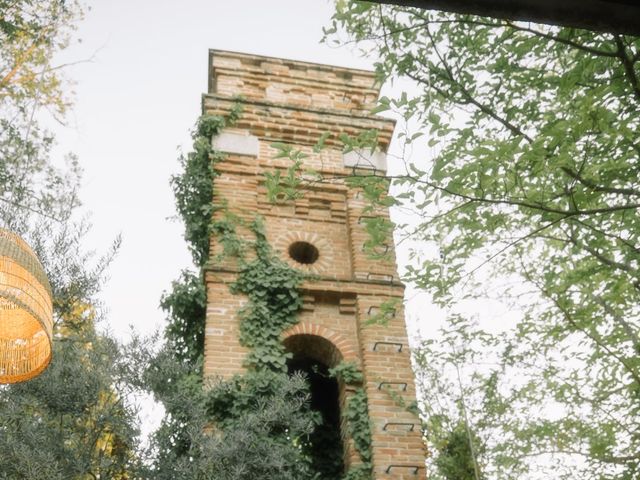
(26, 311)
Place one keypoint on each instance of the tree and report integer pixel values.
(30, 34)
(250, 426)
(77, 419)
(530, 197)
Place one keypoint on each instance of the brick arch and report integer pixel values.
(344, 346)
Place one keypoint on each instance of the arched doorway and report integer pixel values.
(313, 356)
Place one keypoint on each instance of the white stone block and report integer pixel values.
(215, 332)
(363, 158)
(236, 143)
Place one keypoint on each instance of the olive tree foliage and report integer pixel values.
(76, 420)
(530, 196)
(31, 32)
(247, 427)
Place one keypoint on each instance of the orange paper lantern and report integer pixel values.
(26, 311)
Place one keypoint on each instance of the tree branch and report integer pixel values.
(492, 201)
(598, 188)
(629, 68)
(515, 242)
(577, 46)
(470, 98)
(569, 318)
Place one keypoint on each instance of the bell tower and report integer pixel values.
(322, 233)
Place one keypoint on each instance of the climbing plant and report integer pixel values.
(185, 304)
(267, 410)
(356, 413)
(193, 188)
(274, 299)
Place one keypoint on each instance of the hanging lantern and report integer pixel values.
(26, 311)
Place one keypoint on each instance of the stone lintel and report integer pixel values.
(237, 143)
(364, 158)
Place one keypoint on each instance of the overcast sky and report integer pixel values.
(136, 100)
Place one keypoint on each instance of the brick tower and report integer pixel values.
(323, 233)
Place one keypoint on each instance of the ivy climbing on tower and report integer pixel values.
(263, 418)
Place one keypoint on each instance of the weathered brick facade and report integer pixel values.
(295, 102)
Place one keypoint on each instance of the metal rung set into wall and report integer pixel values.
(403, 384)
(393, 344)
(415, 468)
(411, 425)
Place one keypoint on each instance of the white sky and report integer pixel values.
(135, 103)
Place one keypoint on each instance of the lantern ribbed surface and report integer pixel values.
(26, 311)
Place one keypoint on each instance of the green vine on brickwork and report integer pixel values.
(347, 372)
(398, 399)
(186, 302)
(193, 188)
(274, 299)
(356, 413)
(224, 230)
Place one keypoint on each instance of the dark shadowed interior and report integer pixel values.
(312, 356)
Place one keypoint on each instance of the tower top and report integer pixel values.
(292, 82)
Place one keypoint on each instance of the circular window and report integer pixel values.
(303, 252)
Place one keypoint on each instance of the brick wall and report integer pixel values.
(296, 102)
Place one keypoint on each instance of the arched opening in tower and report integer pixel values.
(313, 356)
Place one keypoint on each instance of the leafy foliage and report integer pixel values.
(455, 459)
(74, 421)
(529, 199)
(186, 304)
(272, 288)
(251, 426)
(177, 385)
(193, 188)
(30, 35)
(347, 372)
(265, 417)
(357, 415)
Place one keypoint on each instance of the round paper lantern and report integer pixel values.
(26, 311)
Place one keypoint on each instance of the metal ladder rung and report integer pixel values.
(411, 425)
(404, 385)
(395, 344)
(415, 468)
